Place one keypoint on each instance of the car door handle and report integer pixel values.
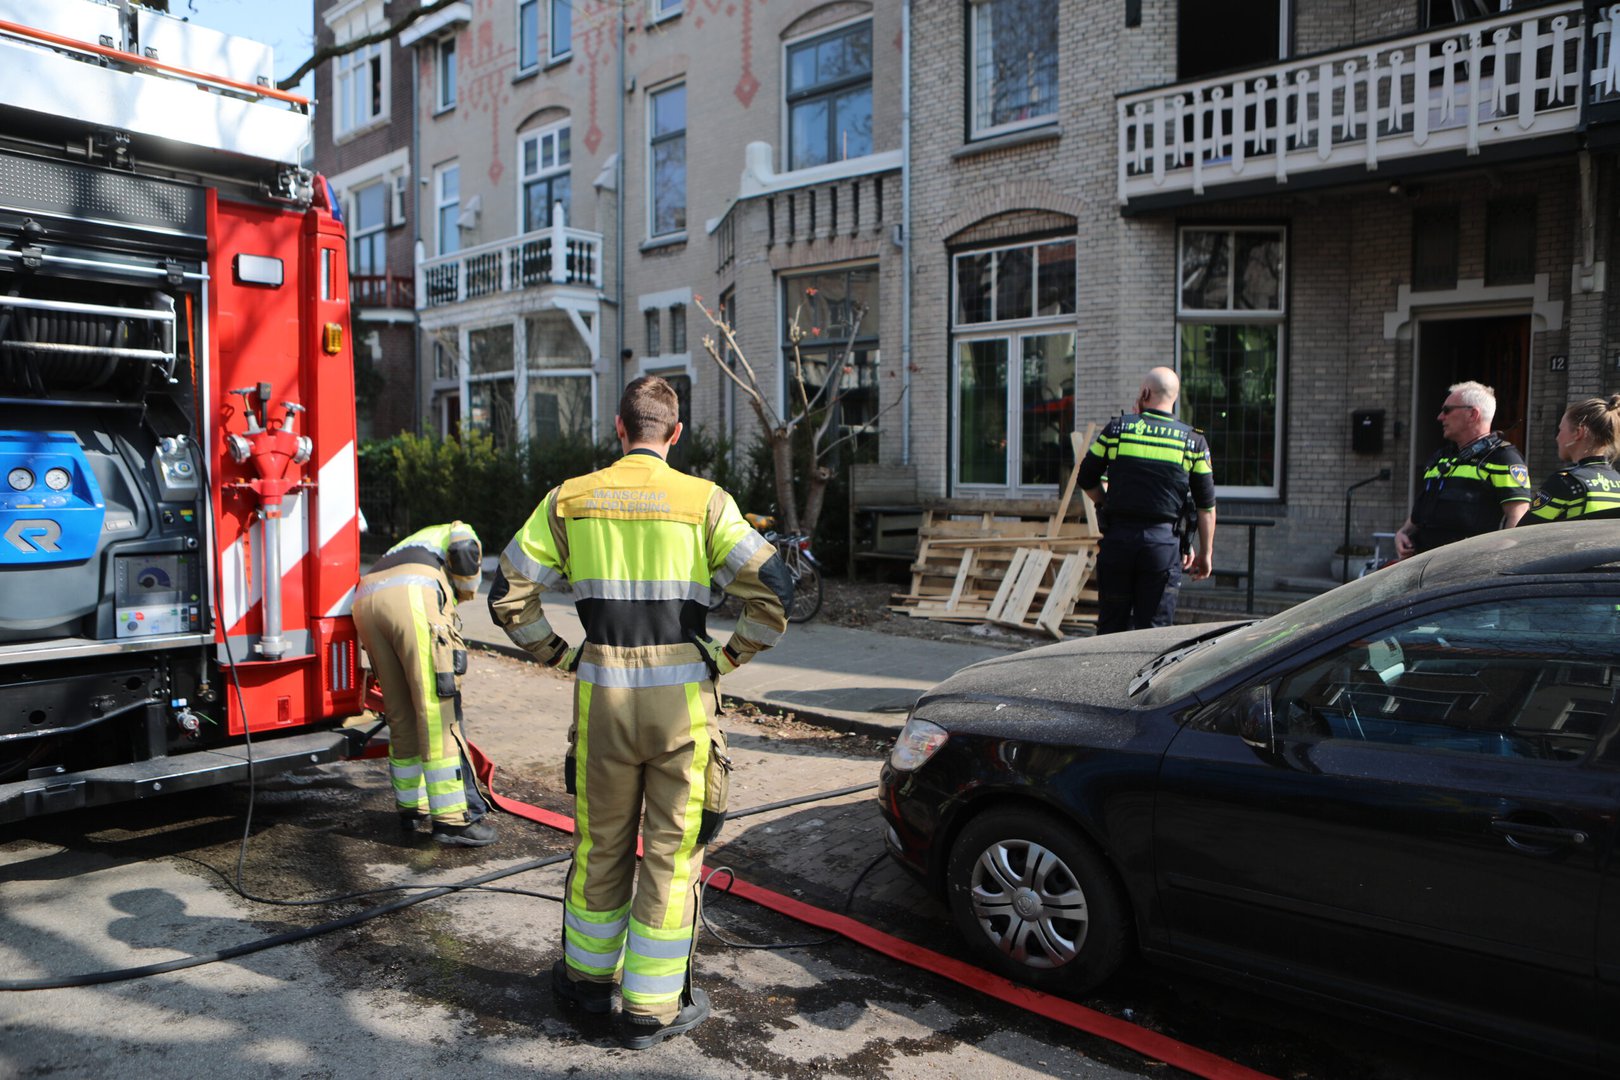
(1536, 839)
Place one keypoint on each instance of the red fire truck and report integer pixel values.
(179, 541)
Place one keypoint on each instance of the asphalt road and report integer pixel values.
(458, 986)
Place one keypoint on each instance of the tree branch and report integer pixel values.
(332, 52)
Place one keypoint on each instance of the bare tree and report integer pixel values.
(818, 412)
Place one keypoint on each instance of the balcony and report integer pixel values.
(1424, 100)
(382, 291)
(558, 255)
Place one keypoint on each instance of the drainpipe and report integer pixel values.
(905, 233)
(418, 415)
(618, 229)
(1588, 223)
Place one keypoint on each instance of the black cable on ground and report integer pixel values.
(429, 892)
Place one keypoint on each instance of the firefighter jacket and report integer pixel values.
(405, 612)
(1465, 488)
(642, 545)
(1588, 489)
(1152, 462)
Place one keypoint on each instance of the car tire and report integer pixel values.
(1054, 916)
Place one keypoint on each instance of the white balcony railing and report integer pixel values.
(1511, 78)
(558, 255)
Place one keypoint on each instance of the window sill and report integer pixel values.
(443, 109)
(667, 16)
(352, 134)
(1011, 140)
(670, 240)
(558, 61)
(525, 76)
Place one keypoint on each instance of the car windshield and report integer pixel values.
(1207, 661)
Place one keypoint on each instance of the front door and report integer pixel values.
(1494, 350)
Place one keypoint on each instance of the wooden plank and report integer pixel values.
(1004, 593)
(962, 573)
(1074, 476)
(1030, 574)
(1071, 578)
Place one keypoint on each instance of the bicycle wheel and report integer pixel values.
(806, 592)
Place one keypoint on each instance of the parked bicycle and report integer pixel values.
(801, 563)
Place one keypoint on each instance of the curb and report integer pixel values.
(814, 719)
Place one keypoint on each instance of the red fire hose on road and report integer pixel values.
(1122, 1032)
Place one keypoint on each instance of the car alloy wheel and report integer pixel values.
(1035, 901)
(1028, 904)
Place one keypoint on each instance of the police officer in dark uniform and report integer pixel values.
(1589, 487)
(1153, 464)
(1476, 483)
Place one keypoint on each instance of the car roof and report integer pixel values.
(1575, 547)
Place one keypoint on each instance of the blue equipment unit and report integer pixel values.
(51, 509)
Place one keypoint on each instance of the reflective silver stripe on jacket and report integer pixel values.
(738, 558)
(529, 566)
(608, 589)
(619, 678)
(753, 631)
(419, 580)
(538, 630)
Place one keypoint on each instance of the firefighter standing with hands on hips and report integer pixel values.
(1475, 483)
(642, 545)
(1154, 465)
(405, 610)
(1589, 439)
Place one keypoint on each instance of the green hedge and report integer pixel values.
(408, 482)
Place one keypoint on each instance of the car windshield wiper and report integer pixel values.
(1144, 675)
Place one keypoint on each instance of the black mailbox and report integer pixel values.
(1367, 431)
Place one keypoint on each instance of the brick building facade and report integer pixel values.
(1321, 213)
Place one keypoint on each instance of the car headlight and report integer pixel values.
(919, 740)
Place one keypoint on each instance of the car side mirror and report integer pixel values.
(1254, 719)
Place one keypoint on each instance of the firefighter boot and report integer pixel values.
(412, 820)
(592, 997)
(473, 834)
(640, 1032)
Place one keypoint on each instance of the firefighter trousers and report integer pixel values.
(637, 748)
(415, 650)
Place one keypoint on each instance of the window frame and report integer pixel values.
(666, 9)
(445, 75)
(869, 340)
(346, 121)
(521, 376)
(373, 235)
(560, 134)
(553, 56)
(656, 139)
(828, 91)
(530, 41)
(989, 130)
(653, 340)
(1014, 333)
(1230, 315)
(440, 205)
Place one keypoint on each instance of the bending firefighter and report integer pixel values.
(642, 546)
(405, 611)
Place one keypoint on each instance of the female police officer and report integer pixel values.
(1589, 487)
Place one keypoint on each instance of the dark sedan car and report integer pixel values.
(1402, 793)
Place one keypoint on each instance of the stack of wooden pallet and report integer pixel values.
(1018, 565)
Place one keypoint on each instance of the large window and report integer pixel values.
(1015, 64)
(1231, 308)
(368, 245)
(561, 35)
(559, 384)
(545, 158)
(447, 204)
(1014, 378)
(444, 70)
(829, 97)
(667, 154)
(838, 304)
(528, 30)
(492, 404)
(360, 82)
